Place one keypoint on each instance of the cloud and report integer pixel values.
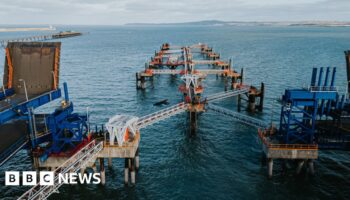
(157, 11)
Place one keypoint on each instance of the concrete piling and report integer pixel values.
(102, 171)
(132, 171)
(126, 171)
(94, 168)
(140, 81)
(137, 160)
(82, 170)
(239, 102)
(300, 166)
(109, 162)
(261, 99)
(311, 167)
(193, 122)
(270, 167)
(251, 102)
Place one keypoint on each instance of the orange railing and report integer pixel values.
(263, 136)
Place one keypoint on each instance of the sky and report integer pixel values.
(118, 12)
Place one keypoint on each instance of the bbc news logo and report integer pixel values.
(13, 178)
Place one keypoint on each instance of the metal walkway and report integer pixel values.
(73, 164)
(251, 121)
(174, 71)
(160, 115)
(223, 95)
(39, 38)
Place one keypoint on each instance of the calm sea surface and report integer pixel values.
(223, 160)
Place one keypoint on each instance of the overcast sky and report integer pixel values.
(105, 12)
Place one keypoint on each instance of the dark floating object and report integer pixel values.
(162, 102)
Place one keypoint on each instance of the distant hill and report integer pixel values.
(241, 23)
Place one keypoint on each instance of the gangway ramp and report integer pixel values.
(73, 164)
(251, 121)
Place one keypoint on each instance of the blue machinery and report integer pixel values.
(302, 106)
(303, 109)
(65, 129)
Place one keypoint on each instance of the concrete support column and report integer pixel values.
(270, 167)
(239, 102)
(233, 83)
(262, 95)
(132, 171)
(82, 170)
(300, 166)
(311, 167)
(193, 122)
(137, 159)
(138, 83)
(126, 171)
(36, 162)
(102, 171)
(251, 103)
(143, 83)
(109, 162)
(94, 168)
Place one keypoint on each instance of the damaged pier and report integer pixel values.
(194, 63)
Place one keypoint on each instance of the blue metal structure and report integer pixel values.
(6, 92)
(67, 129)
(302, 106)
(21, 109)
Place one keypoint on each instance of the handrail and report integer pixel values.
(222, 95)
(160, 115)
(73, 164)
(262, 135)
(251, 121)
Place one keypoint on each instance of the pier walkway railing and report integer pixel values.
(223, 95)
(37, 38)
(162, 114)
(174, 71)
(73, 164)
(251, 121)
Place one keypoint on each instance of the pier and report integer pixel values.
(40, 38)
(63, 141)
(119, 138)
(302, 129)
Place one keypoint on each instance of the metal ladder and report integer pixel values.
(251, 121)
(73, 164)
